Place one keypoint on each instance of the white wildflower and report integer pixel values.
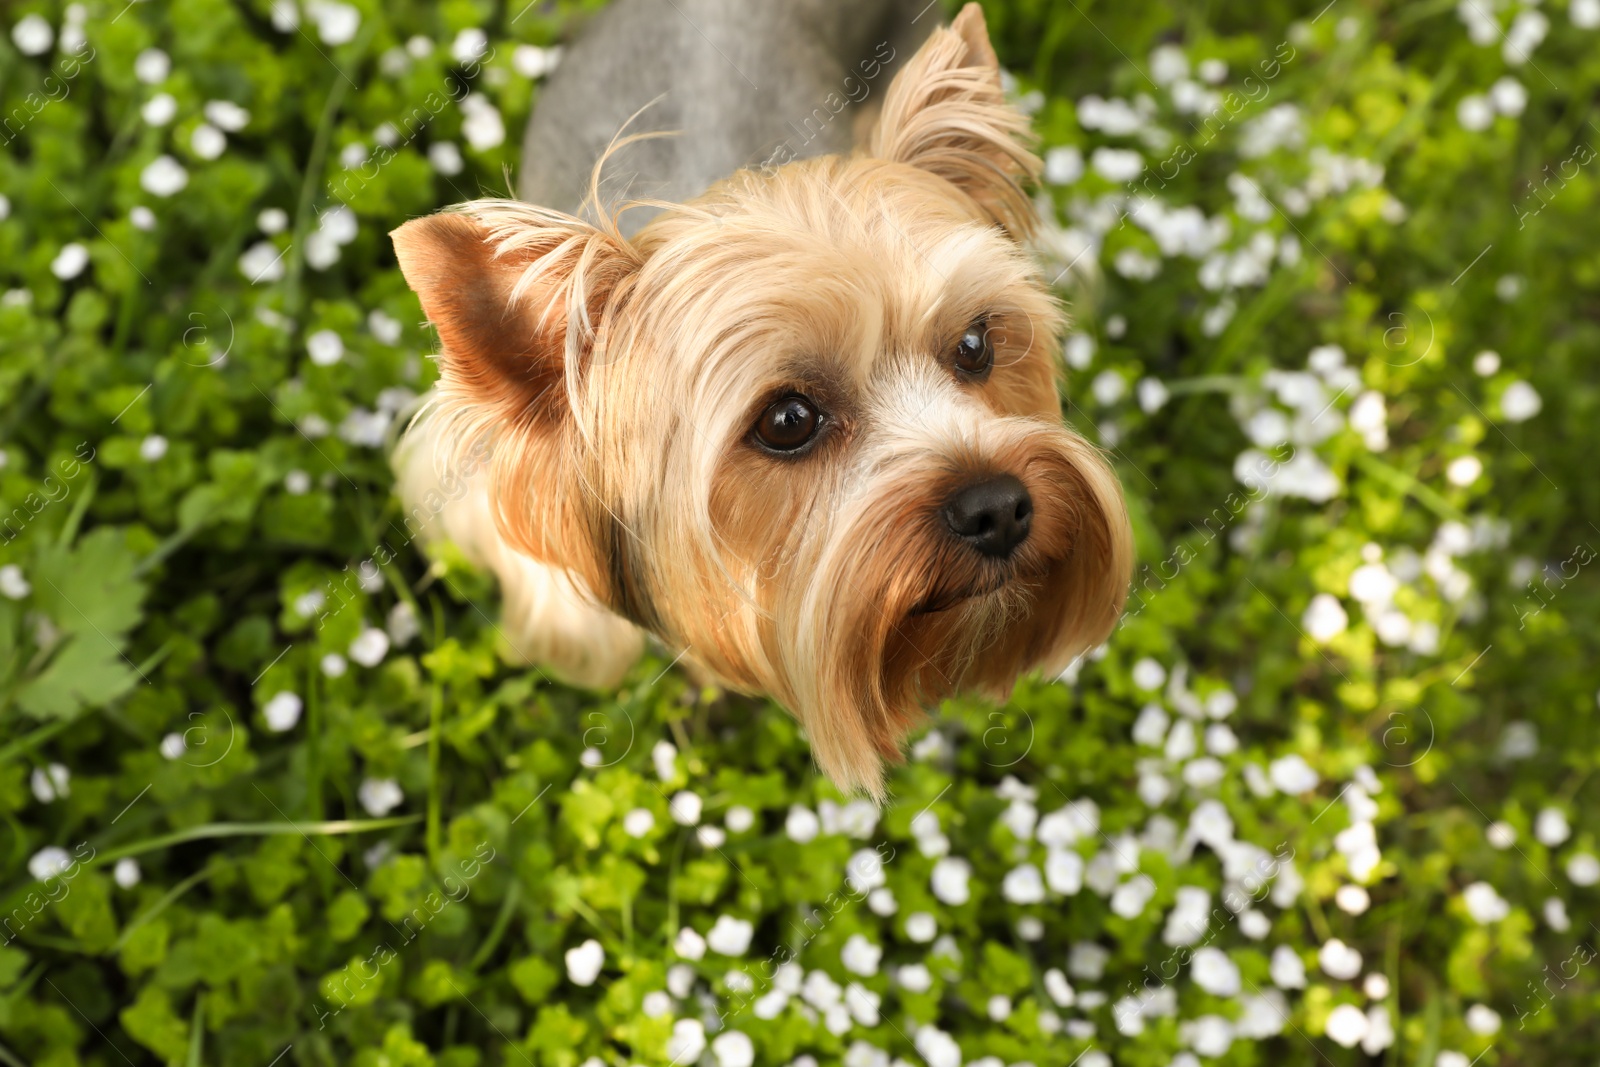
(1346, 1025)
(32, 35)
(127, 873)
(379, 796)
(325, 347)
(730, 936)
(369, 647)
(1324, 618)
(336, 23)
(446, 158)
(1131, 897)
(282, 711)
(937, 1047)
(689, 944)
(584, 962)
(685, 807)
(1292, 775)
(163, 176)
(1023, 885)
(49, 862)
(1063, 871)
(949, 881)
(152, 66)
(51, 782)
(1288, 971)
(860, 956)
(207, 142)
(13, 585)
(1063, 165)
(1339, 960)
(70, 261)
(688, 1041)
(802, 824)
(733, 1048)
(1352, 899)
(1520, 402)
(1214, 972)
(1483, 1020)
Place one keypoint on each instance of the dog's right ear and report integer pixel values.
(518, 295)
(521, 297)
(946, 113)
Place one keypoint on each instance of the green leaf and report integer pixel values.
(87, 672)
(91, 587)
(151, 1021)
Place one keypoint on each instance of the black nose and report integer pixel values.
(992, 515)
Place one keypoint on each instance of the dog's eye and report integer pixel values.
(789, 424)
(975, 351)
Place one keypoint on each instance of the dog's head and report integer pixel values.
(805, 427)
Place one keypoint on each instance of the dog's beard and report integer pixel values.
(886, 613)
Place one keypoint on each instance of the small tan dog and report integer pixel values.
(804, 428)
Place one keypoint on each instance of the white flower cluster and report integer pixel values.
(1305, 415)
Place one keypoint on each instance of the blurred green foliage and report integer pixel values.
(234, 834)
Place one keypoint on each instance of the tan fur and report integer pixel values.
(620, 382)
(549, 617)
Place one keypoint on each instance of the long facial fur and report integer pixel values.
(825, 580)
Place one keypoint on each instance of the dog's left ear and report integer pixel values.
(946, 113)
(521, 297)
(518, 294)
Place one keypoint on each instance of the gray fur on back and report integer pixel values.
(746, 82)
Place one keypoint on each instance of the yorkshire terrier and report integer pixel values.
(802, 427)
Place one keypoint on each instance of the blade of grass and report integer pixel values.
(38, 736)
(69, 530)
(435, 720)
(313, 175)
(491, 942)
(435, 816)
(197, 1029)
(331, 827)
(1408, 484)
(313, 739)
(166, 901)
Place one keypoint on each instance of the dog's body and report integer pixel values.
(738, 83)
(802, 426)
